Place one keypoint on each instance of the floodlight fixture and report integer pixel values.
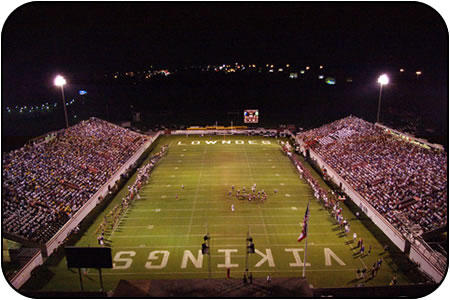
(383, 79)
(59, 81)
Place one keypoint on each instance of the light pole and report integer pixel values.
(60, 81)
(382, 80)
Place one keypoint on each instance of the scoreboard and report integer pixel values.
(251, 116)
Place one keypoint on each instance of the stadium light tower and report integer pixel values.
(61, 81)
(382, 80)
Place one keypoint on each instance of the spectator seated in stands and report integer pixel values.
(405, 182)
(44, 185)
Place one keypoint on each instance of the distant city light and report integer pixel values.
(418, 73)
(383, 79)
(330, 81)
(307, 68)
(320, 67)
(321, 76)
(82, 92)
(302, 71)
(402, 70)
(280, 70)
(293, 75)
(287, 65)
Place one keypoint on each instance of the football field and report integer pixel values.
(161, 234)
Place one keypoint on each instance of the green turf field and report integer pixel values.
(160, 236)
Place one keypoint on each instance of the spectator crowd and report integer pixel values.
(46, 183)
(405, 182)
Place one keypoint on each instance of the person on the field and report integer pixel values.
(232, 207)
(182, 186)
(379, 262)
(363, 272)
(244, 279)
(394, 280)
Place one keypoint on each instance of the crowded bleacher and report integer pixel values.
(403, 181)
(45, 184)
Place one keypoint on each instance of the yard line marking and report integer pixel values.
(299, 270)
(196, 193)
(260, 212)
(222, 216)
(216, 236)
(239, 246)
(270, 178)
(213, 209)
(227, 224)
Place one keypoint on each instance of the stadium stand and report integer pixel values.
(44, 184)
(403, 181)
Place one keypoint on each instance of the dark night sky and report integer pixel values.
(42, 39)
(84, 36)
